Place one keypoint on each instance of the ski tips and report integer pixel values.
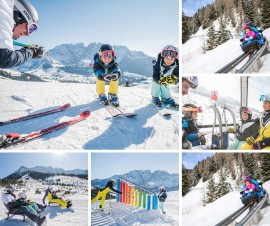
(65, 106)
(85, 114)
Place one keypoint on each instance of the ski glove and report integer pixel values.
(38, 51)
(172, 79)
(115, 76)
(250, 140)
(162, 81)
(231, 130)
(105, 78)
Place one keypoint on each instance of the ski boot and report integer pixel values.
(103, 99)
(69, 205)
(113, 99)
(41, 221)
(156, 101)
(170, 102)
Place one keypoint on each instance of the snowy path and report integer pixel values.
(100, 130)
(77, 215)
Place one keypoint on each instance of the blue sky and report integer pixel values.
(105, 165)
(191, 159)
(191, 6)
(138, 24)
(10, 162)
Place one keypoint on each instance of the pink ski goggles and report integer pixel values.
(169, 54)
(107, 53)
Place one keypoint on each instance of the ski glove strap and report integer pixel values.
(250, 140)
(38, 51)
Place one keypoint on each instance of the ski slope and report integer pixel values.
(127, 215)
(100, 130)
(195, 60)
(77, 215)
(194, 213)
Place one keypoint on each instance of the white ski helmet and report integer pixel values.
(192, 80)
(170, 51)
(25, 12)
(9, 188)
(22, 195)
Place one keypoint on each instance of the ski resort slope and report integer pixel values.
(100, 130)
(196, 61)
(77, 215)
(194, 213)
(127, 215)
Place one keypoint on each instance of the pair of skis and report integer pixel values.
(15, 138)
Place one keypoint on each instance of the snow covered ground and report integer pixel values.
(100, 130)
(127, 215)
(195, 60)
(77, 215)
(194, 213)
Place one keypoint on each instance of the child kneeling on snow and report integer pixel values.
(247, 130)
(189, 124)
(106, 70)
(165, 72)
(162, 197)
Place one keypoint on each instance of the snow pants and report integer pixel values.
(60, 201)
(100, 87)
(24, 210)
(102, 195)
(161, 206)
(235, 145)
(159, 90)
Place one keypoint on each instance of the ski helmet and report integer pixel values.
(170, 51)
(247, 26)
(246, 110)
(25, 12)
(192, 80)
(22, 195)
(187, 110)
(162, 188)
(107, 49)
(9, 188)
(112, 181)
(265, 97)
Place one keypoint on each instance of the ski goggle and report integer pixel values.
(107, 53)
(264, 98)
(169, 54)
(197, 109)
(31, 28)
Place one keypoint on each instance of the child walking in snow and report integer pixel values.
(106, 70)
(162, 197)
(165, 72)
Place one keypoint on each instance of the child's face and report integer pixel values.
(168, 61)
(194, 115)
(247, 30)
(107, 59)
(244, 116)
(247, 183)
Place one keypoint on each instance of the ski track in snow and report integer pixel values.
(127, 215)
(100, 130)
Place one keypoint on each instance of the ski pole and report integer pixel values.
(21, 44)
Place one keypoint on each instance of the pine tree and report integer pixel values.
(185, 28)
(223, 33)
(223, 188)
(265, 169)
(185, 180)
(248, 160)
(248, 8)
(211, 190)
(211, 38)
(265, 14)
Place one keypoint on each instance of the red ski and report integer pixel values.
(37, 115)
(15, 138)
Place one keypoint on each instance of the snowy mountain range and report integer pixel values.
(145, 178)
(41, 172)
(77, 59)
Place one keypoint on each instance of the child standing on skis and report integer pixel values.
(165, 72)
(162, 197)
(106, 70)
